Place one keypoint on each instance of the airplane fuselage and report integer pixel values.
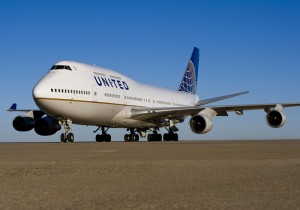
(89, 95)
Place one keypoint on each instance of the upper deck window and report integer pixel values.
(61, 67)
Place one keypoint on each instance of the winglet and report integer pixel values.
(13, 107)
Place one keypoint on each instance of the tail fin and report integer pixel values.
(189, 81)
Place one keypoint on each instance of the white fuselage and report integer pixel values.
(90, 95)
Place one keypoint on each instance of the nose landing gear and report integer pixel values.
(66, 136)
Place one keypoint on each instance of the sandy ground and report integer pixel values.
(151, 175)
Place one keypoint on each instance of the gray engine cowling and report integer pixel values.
(46, 126)
(275, 118)
(200, 124)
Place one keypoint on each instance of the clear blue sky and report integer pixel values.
(244, 45)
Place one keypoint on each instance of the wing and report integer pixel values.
(36, 113)
(158, 113)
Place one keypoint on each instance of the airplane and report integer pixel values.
(77, 93)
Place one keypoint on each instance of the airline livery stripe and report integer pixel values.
(83, 101)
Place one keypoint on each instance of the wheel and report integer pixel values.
(70, 137)
(175, 138)
(150, 137)
(158, 137)
(98, 138)
(107, 138)
(62, 138)
(126, 137)
(166, 137)
(132, 137)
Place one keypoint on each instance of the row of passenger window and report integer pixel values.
(82, 92)
(164, 102)
(147, 100)
(111, 95)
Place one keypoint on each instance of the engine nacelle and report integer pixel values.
(23, 123)
(200, 124)
(46, 126)
(275, 118)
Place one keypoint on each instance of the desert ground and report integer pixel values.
(151, 175)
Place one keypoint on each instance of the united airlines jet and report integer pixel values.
(77, 93)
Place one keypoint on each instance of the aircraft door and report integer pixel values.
(94, 93)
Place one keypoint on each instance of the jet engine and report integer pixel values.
(275, 118)
(23, 123)
(46, 126)
(200, 124)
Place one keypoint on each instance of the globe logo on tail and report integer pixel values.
(189, 82)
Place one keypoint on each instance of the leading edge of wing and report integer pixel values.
(152, 113)
(219, 98)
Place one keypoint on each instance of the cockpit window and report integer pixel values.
(60, 67)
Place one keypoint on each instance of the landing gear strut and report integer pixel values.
(66, 136)
(104, 136)
(132, 136)
(155, 136)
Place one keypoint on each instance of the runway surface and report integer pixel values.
(151, 175)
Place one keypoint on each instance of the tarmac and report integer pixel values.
(151, 175)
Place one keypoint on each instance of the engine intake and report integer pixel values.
(23, 123)
(46, 126)
(275, 118)
(200, 124)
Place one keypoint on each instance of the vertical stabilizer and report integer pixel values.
(189, 81)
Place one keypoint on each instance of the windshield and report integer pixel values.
(61, 67)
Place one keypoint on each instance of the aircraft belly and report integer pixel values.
(89, 113)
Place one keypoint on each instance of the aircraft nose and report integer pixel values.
(38, 91)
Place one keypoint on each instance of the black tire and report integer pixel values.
(70, 137)
(174, 137)
(107, 138)
(166, 137)
(98, 138)
(126, 137)
(136, 137)
(62, 138)
(158, 137)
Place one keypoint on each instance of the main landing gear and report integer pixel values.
(104, 136)
(170, 136)
(154, 136)
(132, 136)
(66, 136)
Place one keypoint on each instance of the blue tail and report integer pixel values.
(189, 81)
